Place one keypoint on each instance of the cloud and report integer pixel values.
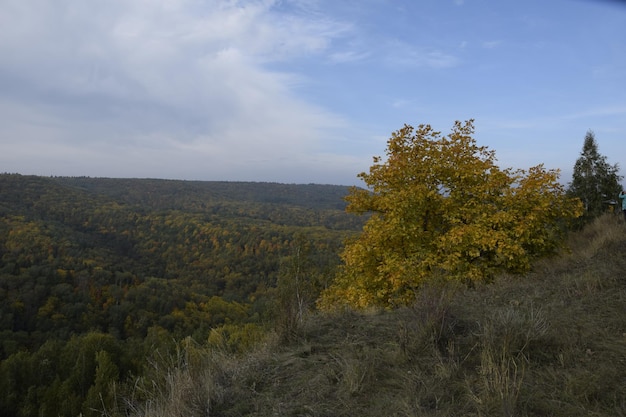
(491, 44)
(348, 56)
(616, 110)
(161, 89)
(403, 55)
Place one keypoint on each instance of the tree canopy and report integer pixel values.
(594, 180)
(97, 275)
(441, 207)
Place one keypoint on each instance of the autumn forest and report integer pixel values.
(113, 270)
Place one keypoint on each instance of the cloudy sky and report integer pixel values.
(301, 91)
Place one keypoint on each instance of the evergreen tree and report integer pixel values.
(594, 181)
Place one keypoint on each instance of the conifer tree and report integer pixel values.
(594, 180)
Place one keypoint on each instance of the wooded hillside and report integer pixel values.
(128, 265)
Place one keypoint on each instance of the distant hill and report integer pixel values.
(188, 195)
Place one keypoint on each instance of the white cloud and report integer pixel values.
(159, 88)
(404, 55)
(616, 110)
(491, 44)
(348, 56)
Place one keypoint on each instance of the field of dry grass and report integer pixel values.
(549, 343)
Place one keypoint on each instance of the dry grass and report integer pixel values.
(550, 343)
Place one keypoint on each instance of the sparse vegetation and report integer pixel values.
(550, 343)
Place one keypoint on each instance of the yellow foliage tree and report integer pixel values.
(441, 207)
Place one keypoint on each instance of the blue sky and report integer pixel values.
(301, 91)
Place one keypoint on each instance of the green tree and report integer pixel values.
(441, 207)
(101, 395)
(594, 181)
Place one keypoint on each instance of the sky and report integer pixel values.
(302, 91)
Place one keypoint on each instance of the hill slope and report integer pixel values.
(552, 343)
(188, 195)
(78, 254)
(113, 270)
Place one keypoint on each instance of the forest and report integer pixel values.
(99, 274)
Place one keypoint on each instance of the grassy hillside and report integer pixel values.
(551, 343)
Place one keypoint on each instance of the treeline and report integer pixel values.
(112, 270)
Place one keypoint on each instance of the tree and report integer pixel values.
(441, 207)
(295, 287)
(594, 181)
(100, 398)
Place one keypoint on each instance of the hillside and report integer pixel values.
(550, 343)
(198, 195)
(116, 268)
(141, 297)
